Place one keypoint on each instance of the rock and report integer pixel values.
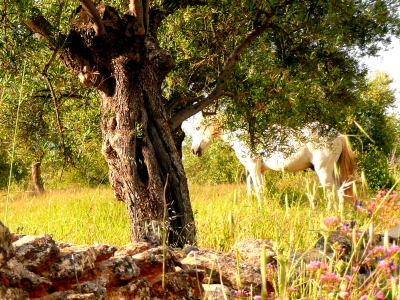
(35, 251)
(9, 293)
(118, 270)
(249, 251)
(177, 285)
(6, 248)
(96, 287)
(133, 249)
(71, 262)
(141, 289)
(18, 276)
(69, 295)
(394, 234)
(45, 269)
(217, 292)
(222, 265)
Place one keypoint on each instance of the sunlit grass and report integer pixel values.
(223, 221)
(224, 214)
(79, 216)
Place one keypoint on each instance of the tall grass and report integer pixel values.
(225, 214)
(20, 99)
(79, 216)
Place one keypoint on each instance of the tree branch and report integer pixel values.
(53, 94)
(227, 69)
(39, 26)
(136, 9)
(94, 15)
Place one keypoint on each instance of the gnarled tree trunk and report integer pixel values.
(121, 58)
(37, 177)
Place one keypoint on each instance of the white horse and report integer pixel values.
(315, 146)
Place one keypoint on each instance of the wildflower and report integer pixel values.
(315, 265)
(386, 266)
(257, 297)
(328, 287)
(377, 250)
(330, 277)
(348, 277)
(364, 297)
(367, 260)
(394, 249)
(242, 293)
(344, 295)
(269, 266)
(380, 296)
(331, 221)
(345, 227)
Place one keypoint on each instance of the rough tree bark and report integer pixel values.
(37, 178)
(126, 65)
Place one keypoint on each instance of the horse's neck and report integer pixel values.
(229, 137)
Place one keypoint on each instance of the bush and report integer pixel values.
(376, 169)
(217, 165)
(19, 171)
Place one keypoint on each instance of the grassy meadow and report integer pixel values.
(225, 214)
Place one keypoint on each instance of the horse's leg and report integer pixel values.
(248, 181)
(254, 173)
(325, 176)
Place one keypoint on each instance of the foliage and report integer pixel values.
(375, 166)
(373, 136)
(303, 68)
(218, 165)
(19, 172)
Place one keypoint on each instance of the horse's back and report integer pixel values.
(314, 146)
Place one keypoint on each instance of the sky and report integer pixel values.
(389, 61)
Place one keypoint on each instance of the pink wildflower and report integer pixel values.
(380, 296)
(331, 221)
(394, 249)
(364, 297)
(385, 265)
(348, 277)
(315, 265)
(330, 277)
(328, 287)
(344, 295)
(242, 293)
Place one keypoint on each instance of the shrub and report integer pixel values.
(217, 165)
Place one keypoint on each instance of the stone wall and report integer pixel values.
(37, 267)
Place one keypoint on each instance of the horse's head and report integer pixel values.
(206, 129)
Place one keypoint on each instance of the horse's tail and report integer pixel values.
(346, 164)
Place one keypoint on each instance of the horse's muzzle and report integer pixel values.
(196, 151)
